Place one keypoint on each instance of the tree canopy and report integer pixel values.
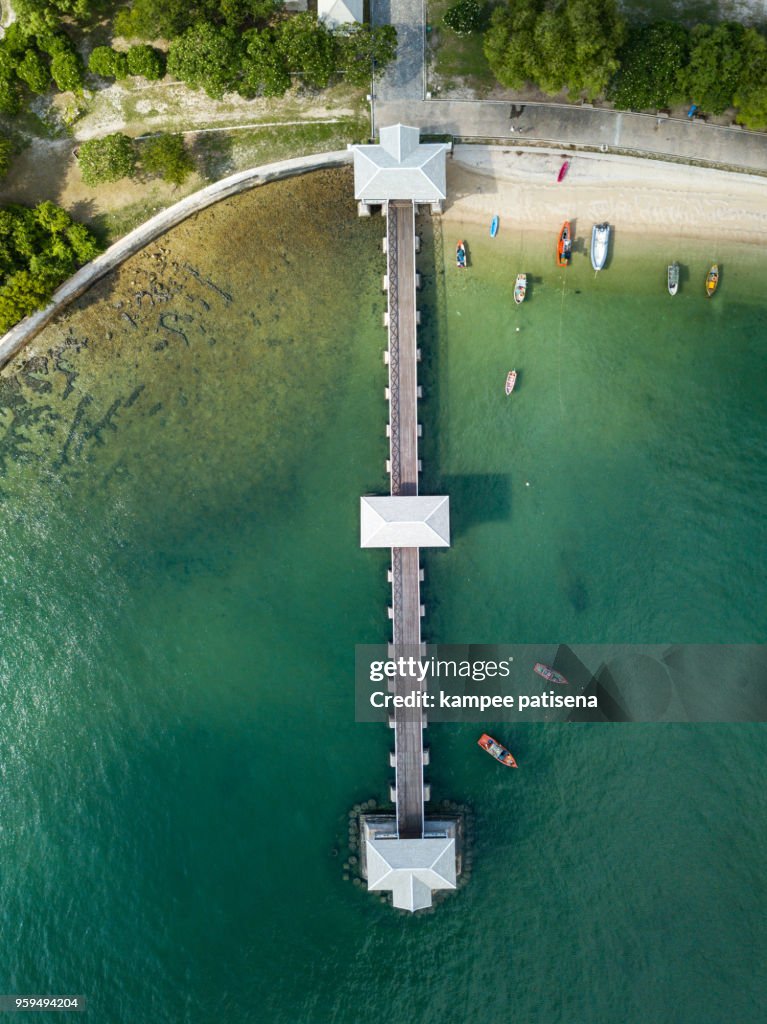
(108, 62)
(39, 248)
(572, 45)
(652, 62)
(751, 94)
(464, 17)
(146, 61)
(206, 57)
(365, 51)
(6, 153)
(167, 156)
(715, 66)
(107, 159)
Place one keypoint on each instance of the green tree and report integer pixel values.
(598, 32)
(238, 13)
(146, 61)
(108, 62)
(309, 49)
(6, 154)
(10, 92)
(206, 57)
(713, 74)
(510, 42)
(39, 248)
(573, 44)
(167, 156)
(363, 50)
(751, 94)
(153, 19)
(264, 68)
(67, 71)
(552, 40)
(107, 159)
(82, 243)
(33, 71)
(651, 66)
(464, 17)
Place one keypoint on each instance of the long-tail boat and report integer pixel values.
(497, 750)
(549, 674)
(520, 288)
(712, 280)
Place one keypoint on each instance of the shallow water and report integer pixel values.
(183, 591)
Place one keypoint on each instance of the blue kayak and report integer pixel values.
(494, 227)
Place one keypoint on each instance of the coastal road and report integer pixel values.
(405, 78)
(595, 128)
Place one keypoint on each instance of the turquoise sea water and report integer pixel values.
(182, 592)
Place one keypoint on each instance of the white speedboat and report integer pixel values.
(673, 278)
(600, 243)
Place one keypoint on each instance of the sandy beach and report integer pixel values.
(632, 194)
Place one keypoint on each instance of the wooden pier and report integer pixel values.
(403, 393)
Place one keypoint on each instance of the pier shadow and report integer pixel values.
(476, 498)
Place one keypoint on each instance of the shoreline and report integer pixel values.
(633, 194)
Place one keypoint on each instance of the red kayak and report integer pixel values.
(563, 170)
(496, 750)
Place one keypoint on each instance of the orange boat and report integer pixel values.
(496, 750)
(565, 246)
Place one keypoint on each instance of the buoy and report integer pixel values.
(527, 483)
(517, 329)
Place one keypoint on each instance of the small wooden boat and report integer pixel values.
(600, 243)
(565, 246)
(494, 225)
(460, 256)
(511, 380)
(712, 280)
(496, 750)
(563, 170)
(673, 278)
(520, 288)
(549, 674)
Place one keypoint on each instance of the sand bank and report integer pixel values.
(632, 194)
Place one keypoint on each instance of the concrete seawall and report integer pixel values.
(81, 281)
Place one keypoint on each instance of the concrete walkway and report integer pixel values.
(581, 126)
(405, 78)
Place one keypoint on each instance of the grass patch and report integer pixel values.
(222, 153)
(111, 225)
(456, 60)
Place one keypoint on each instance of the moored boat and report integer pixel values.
(511, 380)
(563, 170)
(673, 278)
(565, 246)
(494, 224)
(520, 288)
(549, 674)
(712, 280)
(496, 750)
(600, 243)
(460, 256)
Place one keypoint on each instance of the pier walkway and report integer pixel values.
(403, 393)
(405, 853)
